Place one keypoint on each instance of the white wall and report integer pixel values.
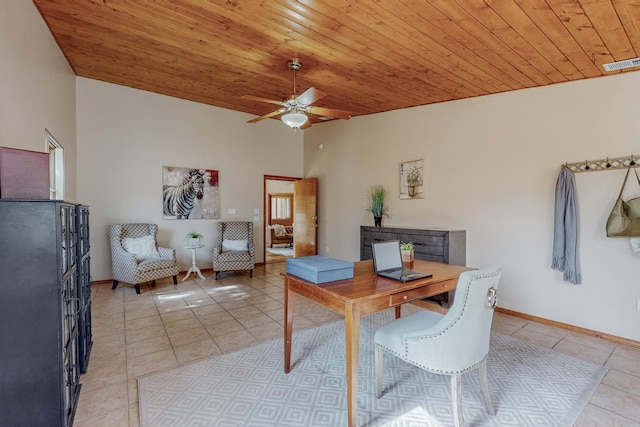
(37, 87)
(491, 169)
(492, 164)
(125, 138)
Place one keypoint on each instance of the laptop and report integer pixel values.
(387, 262)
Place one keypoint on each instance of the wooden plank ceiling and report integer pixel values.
(367, 56)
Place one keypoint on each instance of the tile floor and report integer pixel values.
(169, 325)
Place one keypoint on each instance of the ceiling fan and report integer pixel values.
(294, 111)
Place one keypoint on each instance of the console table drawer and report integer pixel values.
(414, 294)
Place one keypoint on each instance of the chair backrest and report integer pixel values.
(460, 340)
(118, 232)
(235, 230)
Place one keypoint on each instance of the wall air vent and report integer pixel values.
(627, 63)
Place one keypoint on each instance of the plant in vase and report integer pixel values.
(406, 249)
(194, 238)
(377, 207)
(413, 179)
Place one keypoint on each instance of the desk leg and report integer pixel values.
(352, 332)
(288, 325)
(398, 311)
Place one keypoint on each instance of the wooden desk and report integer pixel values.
(366, 293)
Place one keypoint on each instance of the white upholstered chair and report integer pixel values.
(449, 344)
(136, 257)
(234, 249)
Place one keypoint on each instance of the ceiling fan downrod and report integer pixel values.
(294, 65)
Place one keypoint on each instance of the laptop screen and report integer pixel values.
(386, 255)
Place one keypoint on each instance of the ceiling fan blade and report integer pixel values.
(306, 124)
(257, 98)
(310, 96)
(266, 116)
(329, 112)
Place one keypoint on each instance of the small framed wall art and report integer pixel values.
(412, 179)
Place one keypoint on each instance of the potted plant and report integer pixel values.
(377, 207)
(194, 238)
(406, 249)
(413, 179)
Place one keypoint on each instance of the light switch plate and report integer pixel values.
(231, 211)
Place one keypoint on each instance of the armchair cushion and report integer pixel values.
(235, 245)
(152, 265)
(142, 247)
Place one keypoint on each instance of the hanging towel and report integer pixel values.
(565, 234)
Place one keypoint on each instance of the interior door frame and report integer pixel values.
(264, 204)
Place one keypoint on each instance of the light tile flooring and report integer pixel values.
(169, 325)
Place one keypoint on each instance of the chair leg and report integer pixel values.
(115, 284)
(251, 273)
(137, 288)
(175, 280)
(379, 362)
(484, 385)
(217, 275)
(456, 397)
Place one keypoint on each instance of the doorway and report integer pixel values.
(278, 216)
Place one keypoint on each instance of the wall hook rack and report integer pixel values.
(609, 163)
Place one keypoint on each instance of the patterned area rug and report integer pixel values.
(530, 386)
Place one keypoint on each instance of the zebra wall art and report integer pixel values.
(192, 195)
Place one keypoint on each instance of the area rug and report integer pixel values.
(281, 251)
(530, 386)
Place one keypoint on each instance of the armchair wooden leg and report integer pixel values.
(456, 397)
(115, 284)
(379, 362)
(484, 385)
(251, 273)
(217, 275)
(175, 280)
(137, 288)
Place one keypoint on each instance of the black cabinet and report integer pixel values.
(41, 298)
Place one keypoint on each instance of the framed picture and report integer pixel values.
(412, 179)
(190, 193)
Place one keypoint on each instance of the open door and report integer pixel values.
(305, 219)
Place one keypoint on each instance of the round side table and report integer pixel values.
(193, 268)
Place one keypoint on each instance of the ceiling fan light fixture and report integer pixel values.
(294, 119)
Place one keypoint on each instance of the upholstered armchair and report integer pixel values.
(449, 344)
(136, 257)
(234, 248)
(281, 234)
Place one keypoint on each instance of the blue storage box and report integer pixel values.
(320, 269)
